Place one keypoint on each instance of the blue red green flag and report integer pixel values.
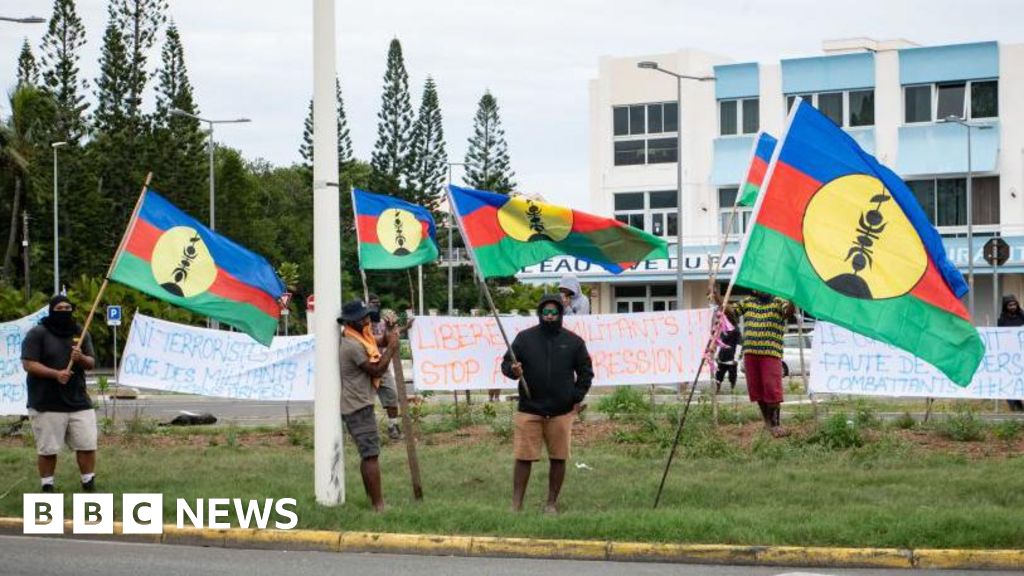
(392, 234)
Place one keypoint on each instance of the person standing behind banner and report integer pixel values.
(556, 366)
(764, 325)
(58, 404)
(573, 298)
(727, 354)
(387, 393)
(362, 366)
(1012, 316)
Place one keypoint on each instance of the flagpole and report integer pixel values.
(113, 262)
(803, 366)
(485, 288)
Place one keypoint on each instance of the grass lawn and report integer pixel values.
(855, 482)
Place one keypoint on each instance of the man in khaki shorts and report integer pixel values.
(58, 404)
(556, 366)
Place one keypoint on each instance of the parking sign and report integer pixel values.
(113, 315)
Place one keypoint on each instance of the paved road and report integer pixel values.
(32, 556)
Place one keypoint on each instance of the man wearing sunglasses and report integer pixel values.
(556, 366)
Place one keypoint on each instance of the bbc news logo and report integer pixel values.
(144, 513)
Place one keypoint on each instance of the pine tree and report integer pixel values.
(60, 49)
(140, 22)
(28, 71)
(430, 161)
(487, 160)
(344, 139)
(391, 160)
(179, 145)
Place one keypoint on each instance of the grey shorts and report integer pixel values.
(53, 429)
(362, 427)
(387, 392)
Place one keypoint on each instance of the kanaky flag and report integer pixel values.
(844, 238)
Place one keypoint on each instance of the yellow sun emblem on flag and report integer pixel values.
(399, 232)
(860, 242)
(528, 220)
(181, 262)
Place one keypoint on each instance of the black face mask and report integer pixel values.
(60, 322)
(374, 315)
(763, 297)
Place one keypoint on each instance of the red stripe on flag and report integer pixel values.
(786, 200)
(426, 229)
(757, 170)
(366, 228)
(585, 223)
(482, 228)
(227, 286)
(932, 288)
(143, 239)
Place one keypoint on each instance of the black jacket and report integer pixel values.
(556, 367)
(1007, 319)
(731, 339)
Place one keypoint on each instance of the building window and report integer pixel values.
(654, 212)
(738, 116)
(968, 100)
(862, 108)
(656, 298)
(629, 122)
(944, 200)
(726, 201)
(847, 109)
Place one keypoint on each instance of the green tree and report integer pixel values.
(430, 161)
(391, 158)
(487, 160)
(139, 22)
(28, 71)
(179, 145)
(64, 39)
(344, 139)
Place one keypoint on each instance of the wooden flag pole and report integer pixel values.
(113, 262)
(485, 289)
(410, 435)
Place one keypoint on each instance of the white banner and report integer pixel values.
(177, 358)
(13, 393)
(454, 353)
(848, 363)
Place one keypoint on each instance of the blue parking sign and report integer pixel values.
(113, 315)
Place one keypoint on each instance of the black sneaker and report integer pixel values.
(89, 486)
(48, 488)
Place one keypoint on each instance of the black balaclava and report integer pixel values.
(763, 297)
(60, 323)
(551, 327)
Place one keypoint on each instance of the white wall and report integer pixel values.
(1011, 127)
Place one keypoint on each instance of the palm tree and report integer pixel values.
(21, 135)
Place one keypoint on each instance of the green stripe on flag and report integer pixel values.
(137, 273)
(748, 197)
(778, 264)
(375, 257)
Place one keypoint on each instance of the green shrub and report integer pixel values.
(962, 426)
(1007, 429)
(625, 401)
(905, 422)
(838, 433)
(300, 433)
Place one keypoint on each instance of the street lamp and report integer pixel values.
(648, 65)
(451, 251)
(28, 20)
(56, 235)
(210, 123)
(970, 211)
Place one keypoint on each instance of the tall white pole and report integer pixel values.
(56, 231)
(213, 203)
(679, 194)
(970, 229)
(329, 469)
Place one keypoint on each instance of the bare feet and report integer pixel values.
(779, 432)
(379, 508)
(551, 508)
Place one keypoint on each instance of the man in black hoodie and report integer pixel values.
(1012, 316)
(556, 366)
(58, 404)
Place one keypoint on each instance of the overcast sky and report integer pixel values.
(253, 58)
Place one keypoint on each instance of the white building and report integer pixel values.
(887, 95)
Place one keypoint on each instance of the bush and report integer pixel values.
(300, 433)
(963, 426)
(905, 422)
(838, 433)
(1007, 429)
(865, 417)
(624, 402)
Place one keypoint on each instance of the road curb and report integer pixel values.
(493, 546)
